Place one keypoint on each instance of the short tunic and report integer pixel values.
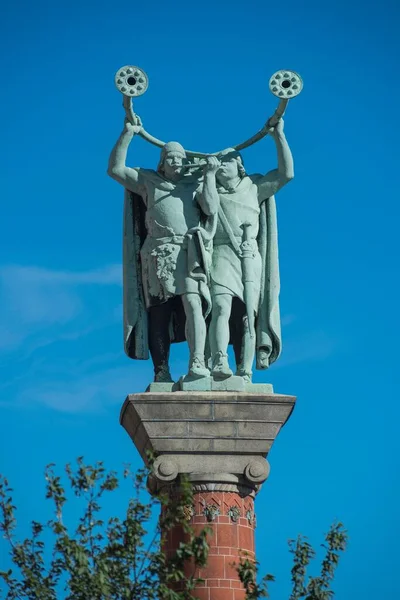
(171, 210)
(240, 206)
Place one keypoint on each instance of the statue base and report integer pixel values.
(160, 387)
(209, 384)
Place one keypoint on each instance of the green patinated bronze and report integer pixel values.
(200, 246)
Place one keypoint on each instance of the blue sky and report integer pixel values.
(63, 374)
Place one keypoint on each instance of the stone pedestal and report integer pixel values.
(220, 440)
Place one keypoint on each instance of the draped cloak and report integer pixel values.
(268, 324)
(135, 296)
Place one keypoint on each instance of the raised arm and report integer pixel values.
(117, 168)
(208, 198)
(272, 182)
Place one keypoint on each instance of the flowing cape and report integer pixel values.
(268, 325)
(136, 341)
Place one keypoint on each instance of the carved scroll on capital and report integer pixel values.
(257, 470)
(165, 469)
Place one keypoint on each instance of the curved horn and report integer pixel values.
(285, 85)
(132, 81)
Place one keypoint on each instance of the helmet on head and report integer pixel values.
(169, 147)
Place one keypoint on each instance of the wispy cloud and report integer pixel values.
(307, 347)
(94, 392)
(51, 322)
(34, 299)
(110, 274)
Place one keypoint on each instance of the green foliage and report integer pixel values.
(110, 560)
(316, 588)
(248, 570)
(100, 560)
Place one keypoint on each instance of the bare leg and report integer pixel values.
(195, 333)
(159, 339)
(219, 334)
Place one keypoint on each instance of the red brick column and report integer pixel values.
(231, 518)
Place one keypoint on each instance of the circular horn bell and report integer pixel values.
(286, 84)
(131, 81)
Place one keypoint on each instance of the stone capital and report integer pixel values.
(219, 440)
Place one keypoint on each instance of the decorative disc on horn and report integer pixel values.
(286, 84)
(131, 81)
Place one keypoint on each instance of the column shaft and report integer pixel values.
(231, 518)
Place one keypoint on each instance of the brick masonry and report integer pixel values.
(232, 535)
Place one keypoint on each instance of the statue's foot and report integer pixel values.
(162, 375)
(262, 359)
(221, 368)
(198, 368)
(246, 375)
